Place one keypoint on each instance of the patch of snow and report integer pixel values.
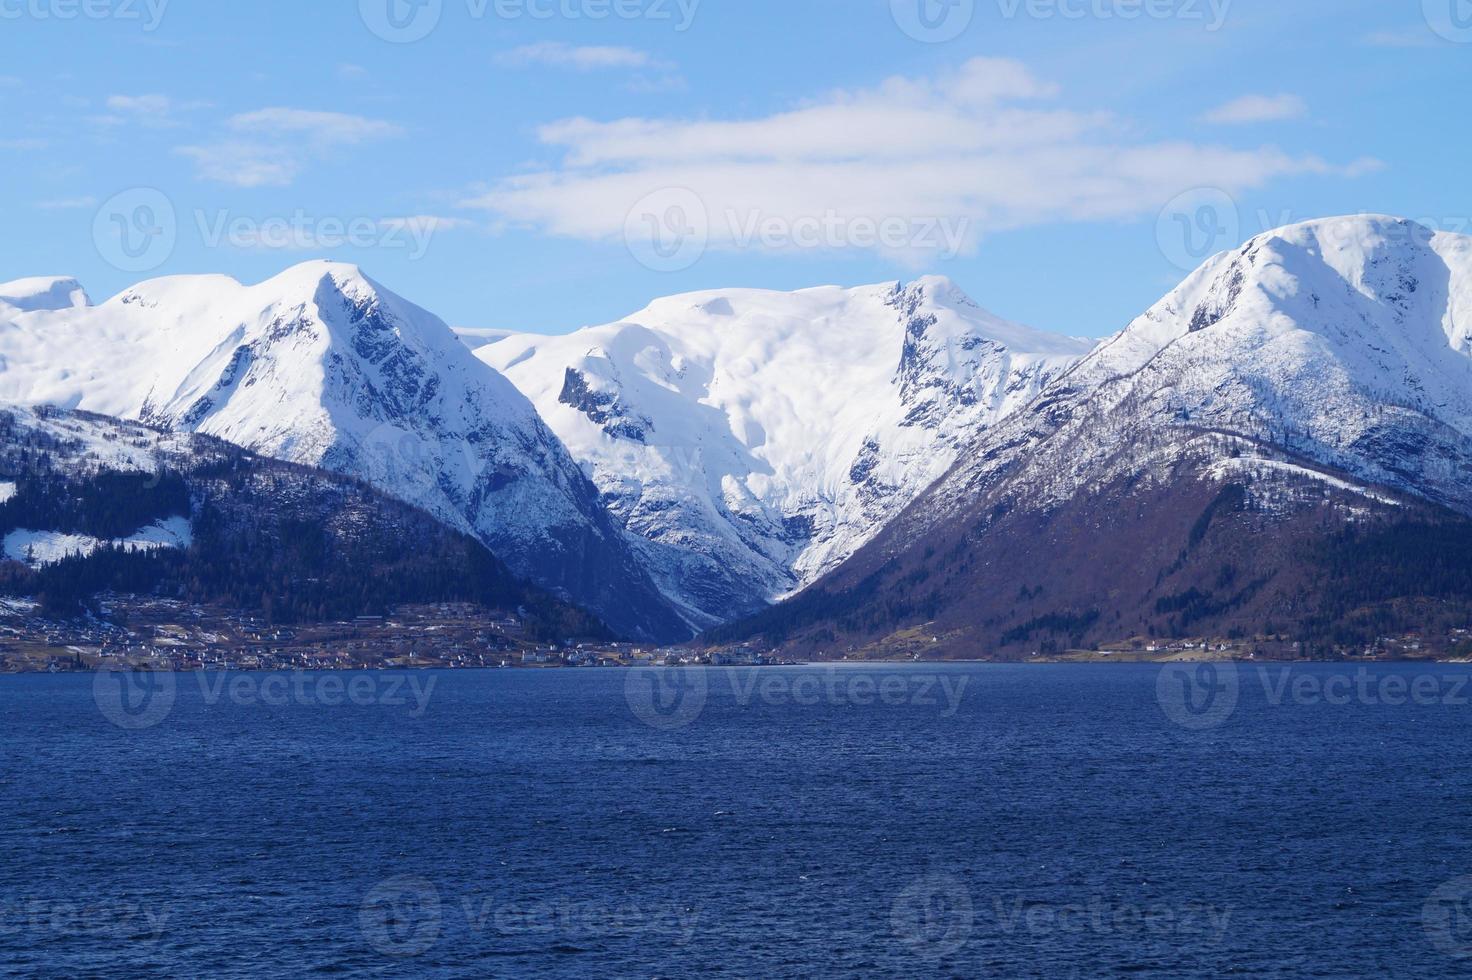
(1266, 468)
(8, 491)
(38, 548)
(42, 293)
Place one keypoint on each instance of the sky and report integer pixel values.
(542, 165)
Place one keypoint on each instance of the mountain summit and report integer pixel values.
(322, 366)
(752, 440)
(1201, 470)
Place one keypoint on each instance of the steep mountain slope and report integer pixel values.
(752, 440)
(1217, 466)
(92, 503)
(321, 366)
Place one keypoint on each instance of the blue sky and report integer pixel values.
(515, 166)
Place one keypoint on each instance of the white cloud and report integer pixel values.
(555, 54)
(242, 164)
(153, 110)
(1258, 109)
(981, 147)
(271, 146)
(352, 73)
(322, 127)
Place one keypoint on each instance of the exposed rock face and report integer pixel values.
(324, 367)
(1202, 464)
(749, 441)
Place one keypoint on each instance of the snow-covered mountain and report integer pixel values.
(324, 367)
(752, 440)
(1318, 378)
(41, 293)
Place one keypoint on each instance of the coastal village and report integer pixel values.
(167, 635)
(163, 634)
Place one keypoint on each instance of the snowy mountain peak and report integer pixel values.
(322, 366)
(42, 293)
(750, 439)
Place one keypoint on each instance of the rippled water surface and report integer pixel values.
(1045, 821)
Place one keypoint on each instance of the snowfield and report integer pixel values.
(752, 440)
(39, 548)
(323, 367)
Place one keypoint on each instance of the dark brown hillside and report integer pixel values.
(1179, 555)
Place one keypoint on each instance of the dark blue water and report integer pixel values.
(1046, 821)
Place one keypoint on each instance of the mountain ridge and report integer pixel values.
(322, 366)
(751, 439)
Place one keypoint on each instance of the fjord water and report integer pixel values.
(1010, 821)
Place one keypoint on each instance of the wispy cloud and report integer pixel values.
(321, 127)
(23, 144)
(243, 164)
(153, 111)
(985, 145)
(353, 73)
(555, 54)
(269, 147)
(1258, 109)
